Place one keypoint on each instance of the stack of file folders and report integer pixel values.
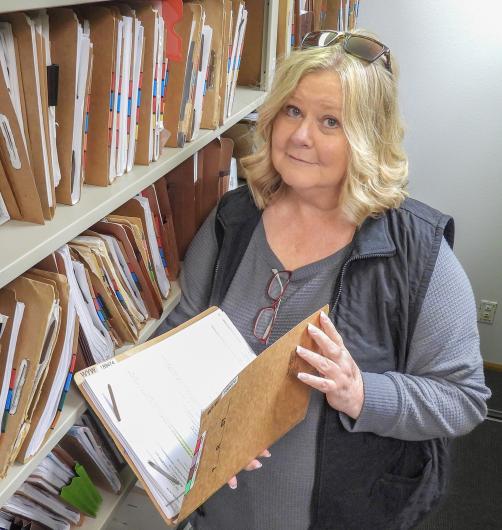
(202, 82)
(98, 73)
(62, 489)
(89, 91)
(75, 308)
(119, 271)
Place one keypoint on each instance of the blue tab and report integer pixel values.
(67, 382)
(136, 280)
(8, 403)
(111, 99)
(129, 107)
(139, 97)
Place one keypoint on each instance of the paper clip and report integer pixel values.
(114, 403)
(169, 477)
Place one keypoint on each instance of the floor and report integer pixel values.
(137, 513)
(474, 498)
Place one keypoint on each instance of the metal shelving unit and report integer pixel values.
(23, 245)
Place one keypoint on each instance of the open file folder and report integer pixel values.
(192, 407)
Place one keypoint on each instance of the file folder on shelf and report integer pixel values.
(72, 50)
(144, 147)
(103, 289)
(168, 233)
(215, 12)
(138, 207)
(228, 20)
(33, 69)
(180, 79)
(134, 259)
(135, 232)
(95, 342)
(103, 34)
(181, 188)
(33, 353)
(17, 182)
(250, 67)
(56, 384)
(80, 442)
(12, 311)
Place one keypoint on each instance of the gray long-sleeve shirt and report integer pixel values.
(441, 394)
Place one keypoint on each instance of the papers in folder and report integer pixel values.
(159, 388)
(34, 347)
(192, 407)
(17, 181)
(98, 342)
(82, 66)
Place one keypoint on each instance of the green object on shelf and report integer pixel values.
(82, 493)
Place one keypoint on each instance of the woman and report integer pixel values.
(326, 221)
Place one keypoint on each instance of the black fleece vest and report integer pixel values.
(364, 481)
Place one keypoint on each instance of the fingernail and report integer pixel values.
(324, 316)
(312, 328)
(258, 465)
(233, 485)
(267, 453)
(302, 376)
(300, 350)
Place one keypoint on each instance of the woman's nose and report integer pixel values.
(302, 135)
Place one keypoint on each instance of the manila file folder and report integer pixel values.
(249, 411)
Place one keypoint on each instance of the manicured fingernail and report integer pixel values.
(324, 316)
(233, 484)
(258, 465)
(300, 350)
(312, 328)
(267, 453)
(301, 376)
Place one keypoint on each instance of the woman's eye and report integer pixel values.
(331, 123)
(292, 111)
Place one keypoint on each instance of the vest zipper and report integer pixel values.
(338, 289)
(218, 259)
(315, 502)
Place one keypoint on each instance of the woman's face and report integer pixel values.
(309, 148)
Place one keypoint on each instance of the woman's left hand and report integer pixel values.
(340, 378)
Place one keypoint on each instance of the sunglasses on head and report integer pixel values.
(360, 46)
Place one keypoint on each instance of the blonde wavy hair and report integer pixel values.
(377, 172)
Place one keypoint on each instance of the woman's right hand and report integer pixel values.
(254, 464)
